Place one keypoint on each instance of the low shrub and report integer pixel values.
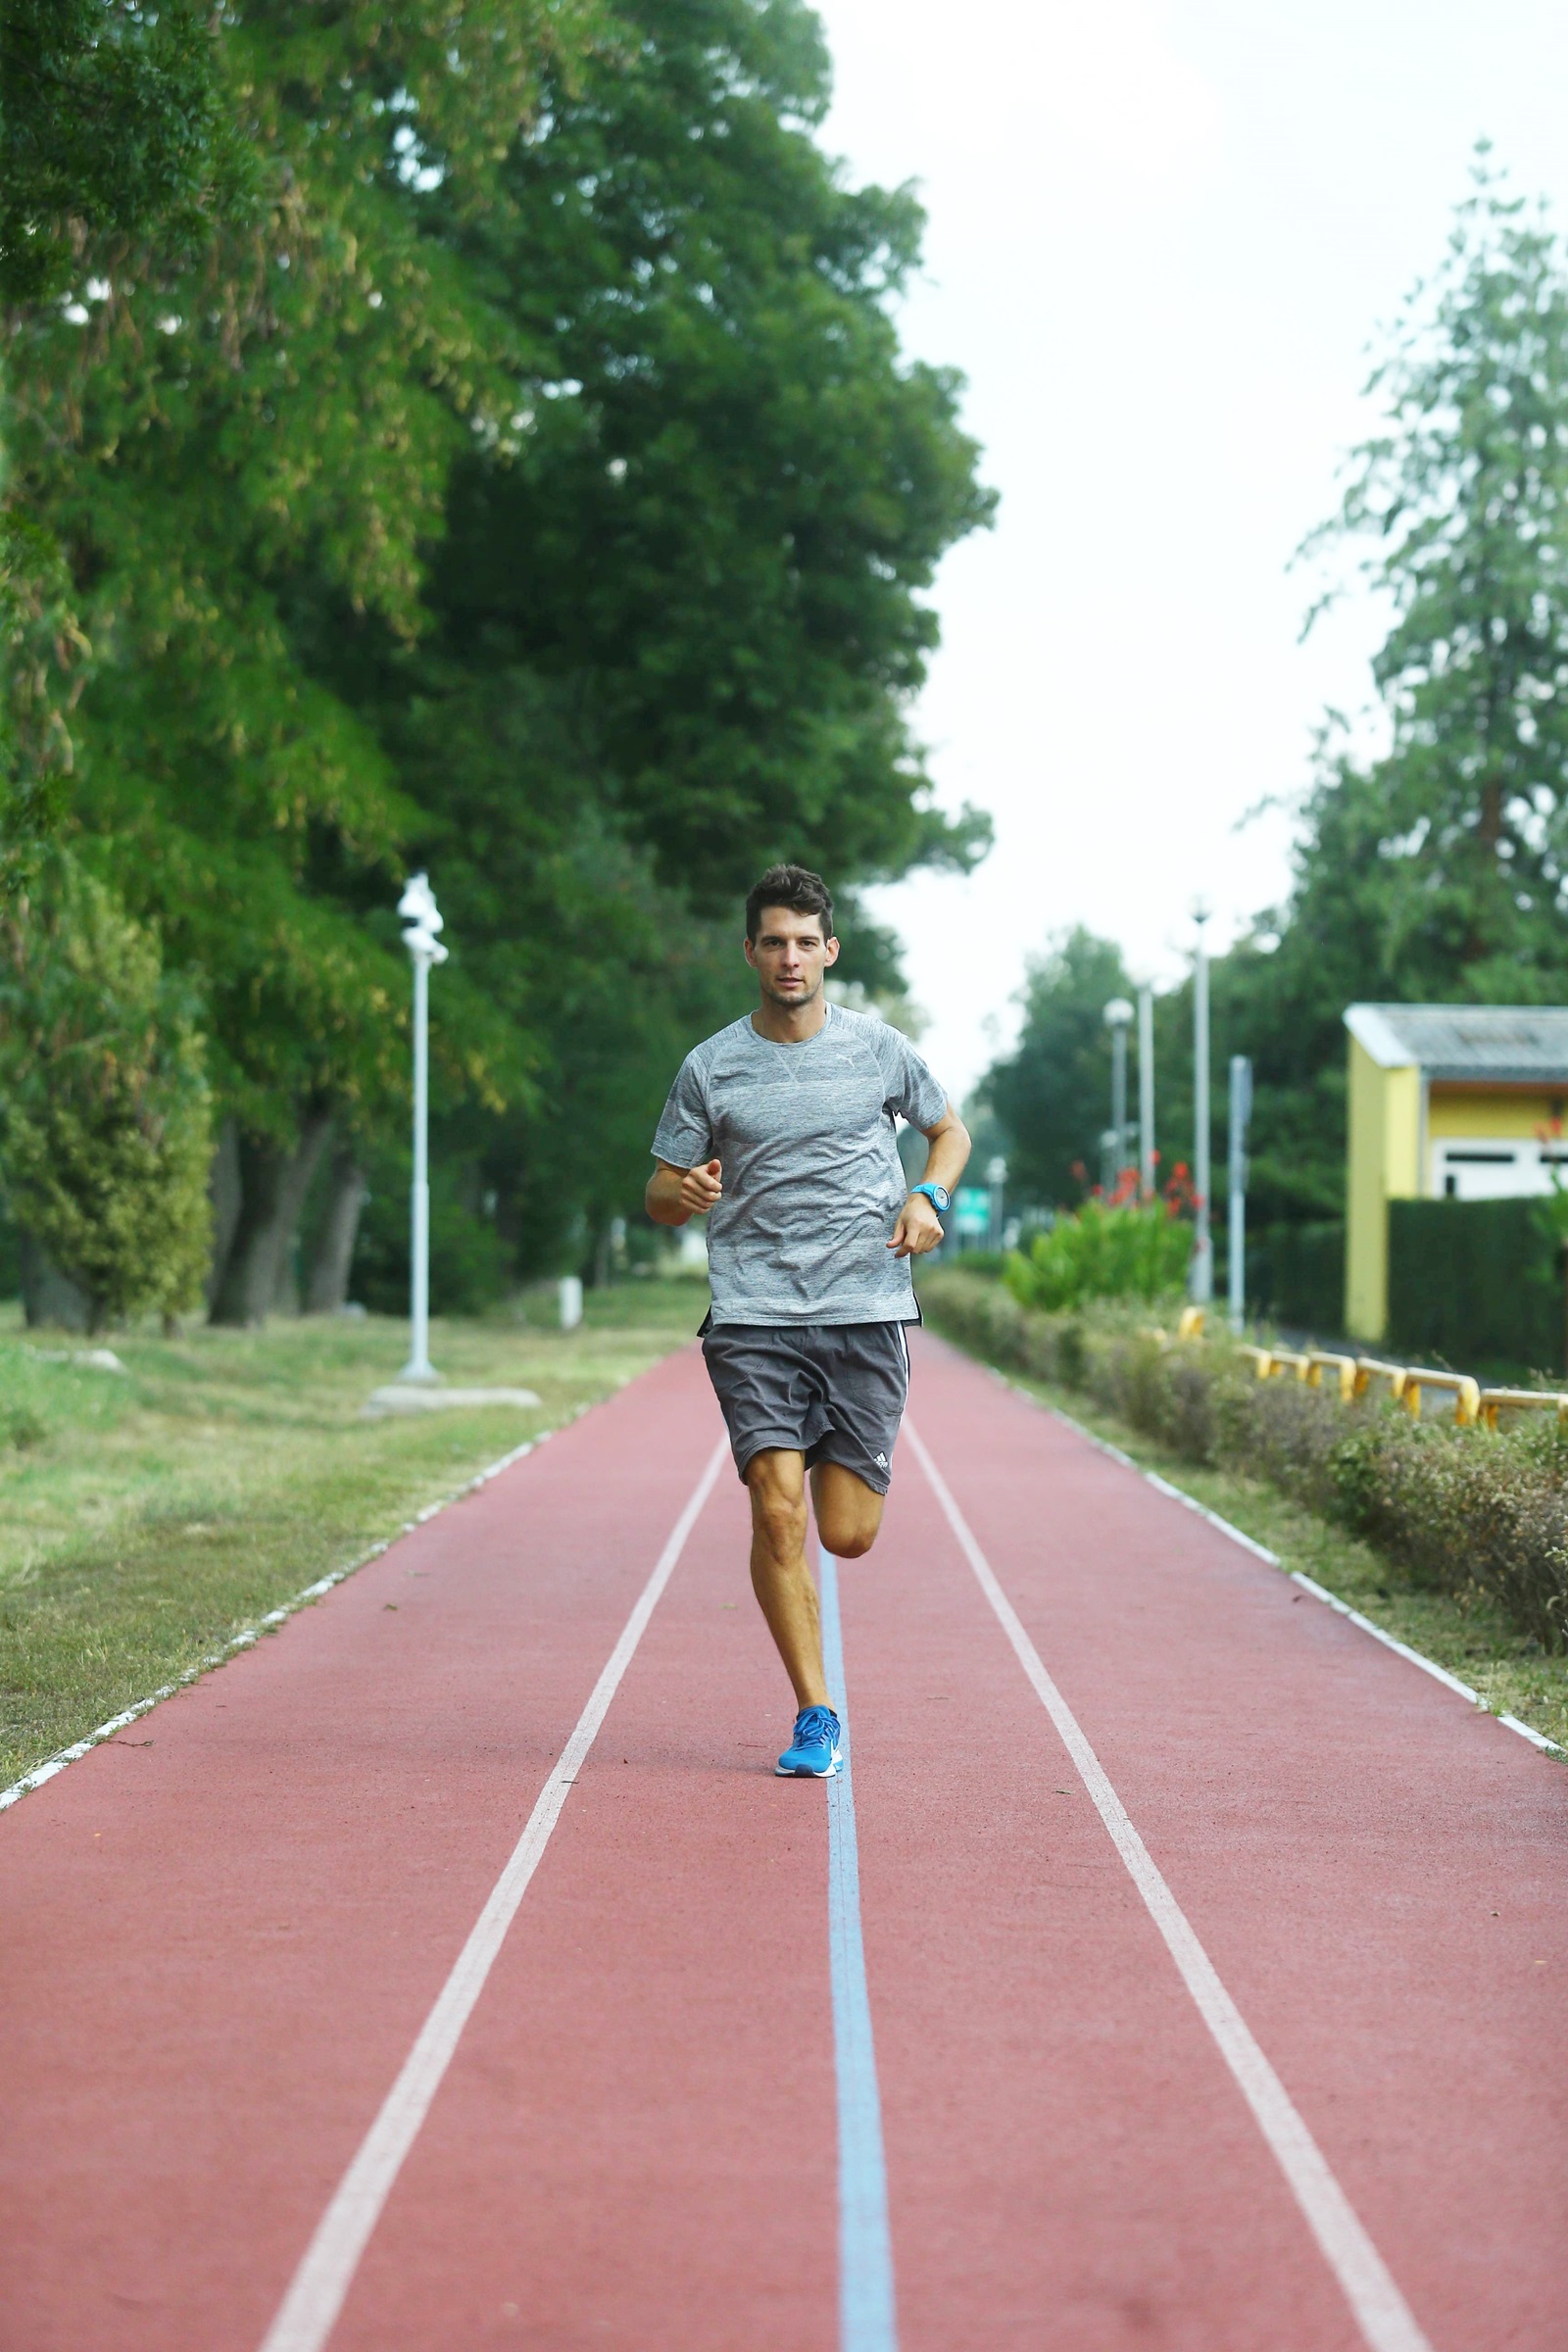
(1116, 1249)
(1468, 1512)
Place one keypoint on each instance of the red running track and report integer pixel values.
(221, 1946)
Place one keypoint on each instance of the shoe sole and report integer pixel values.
(791, 1772)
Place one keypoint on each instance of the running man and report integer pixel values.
(780, 1130)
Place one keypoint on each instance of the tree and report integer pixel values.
(1461, 830)
(533, 489)
(1436, 872)
(113, 133)
(226, 445)
(106, 1133)
(718, 523)
(676, 611)
(1053, 1092)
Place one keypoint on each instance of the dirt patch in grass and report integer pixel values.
(150, 1515)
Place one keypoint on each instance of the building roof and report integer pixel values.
(1506, 1043)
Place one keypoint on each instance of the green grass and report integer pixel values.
(1478, 1645)
(148, 1517)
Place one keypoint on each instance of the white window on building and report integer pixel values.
(1478, 1169)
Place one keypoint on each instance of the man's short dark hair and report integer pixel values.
(795, 887)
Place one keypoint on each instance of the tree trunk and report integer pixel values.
(47, 1294)
(273, 1182)
(326, 1289)
(224, 1186)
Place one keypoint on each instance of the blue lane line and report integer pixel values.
(867, 2322)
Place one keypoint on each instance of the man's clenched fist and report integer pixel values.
(918, 1228)
(700, 1188)
(674, 1193)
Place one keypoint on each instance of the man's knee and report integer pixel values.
(778, 1504)
(849, 1513)
(847, 1540)
(781, 1524)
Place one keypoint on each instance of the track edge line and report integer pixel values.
(1341, 1609)
(1376, 2302)
(248, 1636)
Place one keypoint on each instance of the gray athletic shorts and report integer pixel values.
(834, 1391)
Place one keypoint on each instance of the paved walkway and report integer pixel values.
(1176, 1968)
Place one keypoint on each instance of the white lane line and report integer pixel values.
(309, 2309)
(1385, 2319)
(251, 1633)
(1342, 1608)
(867, 2322)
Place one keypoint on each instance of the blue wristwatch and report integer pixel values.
(938, 1195)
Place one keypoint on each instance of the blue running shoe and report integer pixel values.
(812, 1753)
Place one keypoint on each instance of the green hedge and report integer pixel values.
(1477, 1285)
(1467, 1511)
(1296, 1276)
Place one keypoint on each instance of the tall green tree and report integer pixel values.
(226, 447)
(1051, 1094)
(677, 607)
(1436, 870)
(1464, 499)
(534, 490)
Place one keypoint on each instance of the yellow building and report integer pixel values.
(1459, 1100)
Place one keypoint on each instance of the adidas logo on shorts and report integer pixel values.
(881, 1461)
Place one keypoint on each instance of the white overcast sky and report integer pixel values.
(1161, 238)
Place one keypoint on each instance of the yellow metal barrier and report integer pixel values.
(1267, 1361)
(1319, 1360)
(1369, 1368)
(1353, 1376)
(1465, 1391)
(1522, 1401)
(1191, 1326)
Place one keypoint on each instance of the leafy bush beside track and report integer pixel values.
(1467, 1512)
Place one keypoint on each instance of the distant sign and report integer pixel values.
(971, 1209)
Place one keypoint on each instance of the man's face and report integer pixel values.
(789, 956)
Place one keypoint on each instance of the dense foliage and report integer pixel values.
(106, 1134)
(113, 121)
(528, 487)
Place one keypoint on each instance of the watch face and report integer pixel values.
(942, 1196)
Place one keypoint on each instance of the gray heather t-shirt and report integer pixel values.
(812, 1175)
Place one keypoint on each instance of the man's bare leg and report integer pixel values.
(849, 1513)
(785, 1587)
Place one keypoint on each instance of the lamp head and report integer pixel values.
(417, 903)
(1118, 1012)
(421, 919)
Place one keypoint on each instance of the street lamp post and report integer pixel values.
(997, 1179)
(1146, 1092)
(1200, 1280)
(1241, 1115)
(1119, 1014)
(422, 920)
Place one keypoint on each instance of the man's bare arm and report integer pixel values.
(950, 1150)
(674, 1195)
(919, 1228)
